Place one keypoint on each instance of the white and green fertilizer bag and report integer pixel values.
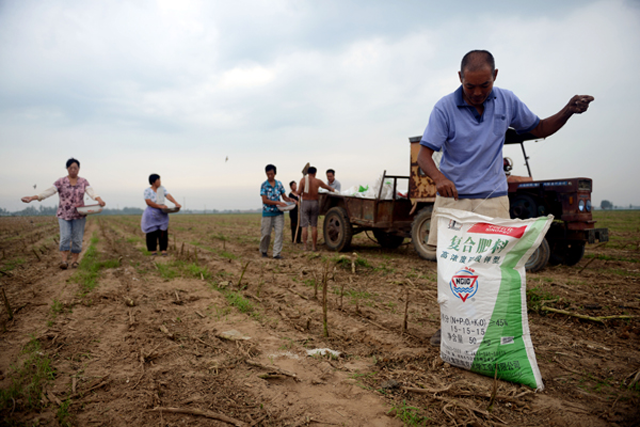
(482, 293)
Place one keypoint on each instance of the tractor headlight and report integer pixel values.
(581, 205)
(588, 205)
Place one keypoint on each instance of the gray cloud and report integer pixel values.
(175, 87)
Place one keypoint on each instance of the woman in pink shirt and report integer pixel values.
(71, 190)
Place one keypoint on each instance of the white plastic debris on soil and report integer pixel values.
(482, 293)
(287, 354)
(234, 335)
(323, 351)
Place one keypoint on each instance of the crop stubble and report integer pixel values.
(148, 343)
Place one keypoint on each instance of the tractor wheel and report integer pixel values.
(538, 260)
(574, 253)
(420, 230)
(337, 229)
(523, 207)
(567, 253)
(387, 240)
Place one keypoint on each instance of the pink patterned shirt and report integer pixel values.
(70, 197)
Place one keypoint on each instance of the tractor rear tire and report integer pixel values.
(567, 253)
(337, 230)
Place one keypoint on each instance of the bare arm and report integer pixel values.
(445, 187)
(577, 105)
(172, 200)
(325, 186)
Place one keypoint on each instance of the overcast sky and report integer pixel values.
(132, 88)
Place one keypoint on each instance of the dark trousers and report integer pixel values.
(154, 237)
(294, 224)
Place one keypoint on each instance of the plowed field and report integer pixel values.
(215, 335)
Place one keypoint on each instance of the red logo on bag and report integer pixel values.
(464, 283)
(484, 228)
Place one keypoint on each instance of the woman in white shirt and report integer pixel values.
(155, 223)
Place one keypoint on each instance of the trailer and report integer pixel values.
(390, 220)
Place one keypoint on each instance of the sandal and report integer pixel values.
(63, 265)
(74, 264)
(154, 253)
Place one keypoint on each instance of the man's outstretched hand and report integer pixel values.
(580, 103)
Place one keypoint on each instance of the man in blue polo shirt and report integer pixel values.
(469, 126)
(272, 217)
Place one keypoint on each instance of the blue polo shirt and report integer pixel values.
(273, 193)
(471, 143)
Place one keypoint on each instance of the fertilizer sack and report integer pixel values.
(482, 293)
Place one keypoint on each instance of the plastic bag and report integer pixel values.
(387, 189)
(482, 293)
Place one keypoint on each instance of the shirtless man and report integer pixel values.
(310, 208)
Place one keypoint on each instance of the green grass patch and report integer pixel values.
(90, 266)
(219, 312)
(57, 307)
(237, 300)
(12, 264)
(385, 269)
(168, 271)
(198, 272)
(611, 258)
(409, 415)
(62, 414)
(27, 381)
(345, 262)
(171, 270)
(226, 254)
(619, 272)
(536, 296)
(357, 375)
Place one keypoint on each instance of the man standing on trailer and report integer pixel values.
(469, 126)
(332, 181)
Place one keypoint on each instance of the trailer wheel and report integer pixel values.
(386, 240)
(538, 260)
(337, 229)
(420, 230)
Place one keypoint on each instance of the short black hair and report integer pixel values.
(312, 170)
(331, 171)
(270, 167)
(153, 178)
(72, 161)
(476, 59)
(291, 184)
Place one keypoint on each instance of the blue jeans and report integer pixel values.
(71, 232)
